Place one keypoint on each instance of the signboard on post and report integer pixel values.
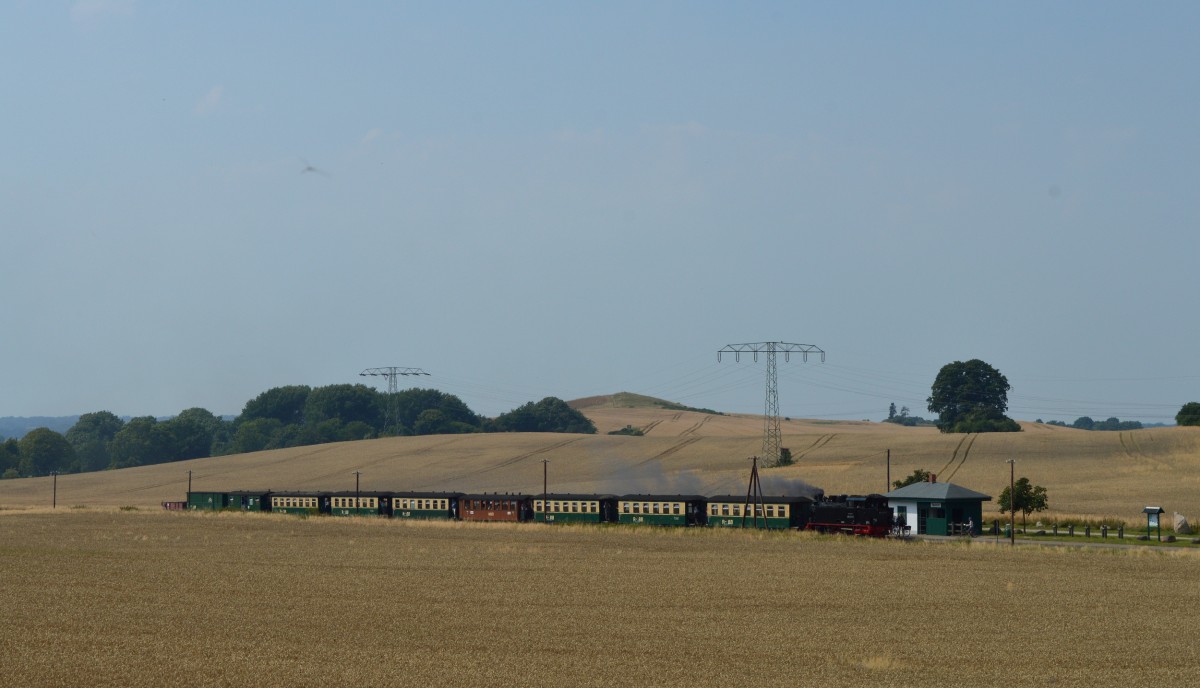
(1152, 520)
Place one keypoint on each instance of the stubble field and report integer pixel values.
(99, 597)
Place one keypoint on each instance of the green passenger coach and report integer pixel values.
(360, 503)
(661, 510)
(574, 508)
(425, 505)
(731, 511)
(307, 503)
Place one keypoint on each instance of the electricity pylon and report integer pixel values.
(391, 373)
(771, 434)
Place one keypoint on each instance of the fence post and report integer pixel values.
(1087, 530)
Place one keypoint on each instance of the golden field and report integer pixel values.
(108, 597)
(1086, 473)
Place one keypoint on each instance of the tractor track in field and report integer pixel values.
(691, 430)
(673, 449)
(650, 426)
(953, 456)
(512, 460)
(1133, 450)
(817, 444)
(966, 452)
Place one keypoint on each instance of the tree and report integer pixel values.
(189, 435)
(346, 403)
(140, 443)
(411, 403)
(1084, 423)
(10, 458)
(1189, 414)
(918, 476)
(892, 410)
(255, 435)
(1028, 499)
(90, 437)
(548, 415)
(971, 396)
(284, 404)
(43, 451)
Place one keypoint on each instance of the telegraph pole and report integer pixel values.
(392, 373)
(771, 434)
(1012, 500)
(754, 496)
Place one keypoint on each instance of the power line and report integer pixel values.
(771, 433)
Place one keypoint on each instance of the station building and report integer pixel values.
(933, 508)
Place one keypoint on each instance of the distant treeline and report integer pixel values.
(1086, 423)
(290, 416)
(902, 417)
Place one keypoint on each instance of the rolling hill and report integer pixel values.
(1092, 473)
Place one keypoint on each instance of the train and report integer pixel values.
(866, 515)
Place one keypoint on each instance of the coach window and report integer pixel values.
(770, 511)
(675, 508)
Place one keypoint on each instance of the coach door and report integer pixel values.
(922, 518)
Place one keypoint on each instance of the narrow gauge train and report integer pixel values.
(858, 515)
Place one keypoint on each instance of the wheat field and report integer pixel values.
(140, 598)
(1100, 474)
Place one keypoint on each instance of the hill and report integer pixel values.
(1093, 473)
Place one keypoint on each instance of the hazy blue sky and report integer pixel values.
(568, 199)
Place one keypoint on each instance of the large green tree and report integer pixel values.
(346, 403)
(971, 396)
(190, 434)
(140, 443)
(284, 404)
(43, 451)
(548, 415)
(90, 436)
(256, 435)
(1189, 414)
(1027, 499)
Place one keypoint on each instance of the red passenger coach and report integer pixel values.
(495, 507)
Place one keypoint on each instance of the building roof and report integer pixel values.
(936, 491)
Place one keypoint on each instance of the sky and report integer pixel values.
(200, 201)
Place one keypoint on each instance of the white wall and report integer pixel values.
(912, 512)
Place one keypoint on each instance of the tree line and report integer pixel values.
(290, 416)
(1086, 423)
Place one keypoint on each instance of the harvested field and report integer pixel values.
(151, 598)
